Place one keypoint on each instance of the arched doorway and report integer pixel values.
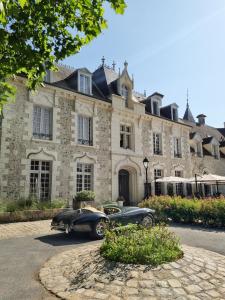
(124, 182)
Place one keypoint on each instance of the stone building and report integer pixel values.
(91, 130)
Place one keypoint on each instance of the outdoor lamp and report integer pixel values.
(146, 163)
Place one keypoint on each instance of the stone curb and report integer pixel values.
(83, 274)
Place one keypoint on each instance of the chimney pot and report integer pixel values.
(201, 119)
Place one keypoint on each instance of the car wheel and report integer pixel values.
(68, 229)
(98, 229)
(148, 221)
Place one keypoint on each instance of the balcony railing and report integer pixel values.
(177, 155)
(42, 136)
(85, 142)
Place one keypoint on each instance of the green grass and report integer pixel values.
(138, 245)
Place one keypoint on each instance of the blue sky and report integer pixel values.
(170, 45)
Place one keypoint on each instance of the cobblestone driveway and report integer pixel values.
(22, 229)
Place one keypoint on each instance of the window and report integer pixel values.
(84, 177)
(125, 136)
(85, 84)
(158, 173)
(42, 123)
(85, 130)
(215, 151)
(177, 147)
(179, 186)
(157, 143)
(40, 173)
(124, 93)
(155, 108)
(174, 114)
(199, 149)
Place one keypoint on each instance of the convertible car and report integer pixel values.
(94, 221)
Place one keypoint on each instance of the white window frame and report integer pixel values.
(157, 143)
(125, 136)
(124, 94)
(157, 113)
(158, 173)
(38, 183)
(85, 132)
(84, 175)
(87, 88)
(39, 130)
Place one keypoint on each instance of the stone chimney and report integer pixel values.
(201, 119)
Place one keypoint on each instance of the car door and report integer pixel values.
(132, 216)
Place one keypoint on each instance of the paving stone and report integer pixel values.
(174, 283)
(113, 281)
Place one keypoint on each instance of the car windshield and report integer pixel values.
(128, 208)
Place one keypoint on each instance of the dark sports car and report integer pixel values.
(94, 221)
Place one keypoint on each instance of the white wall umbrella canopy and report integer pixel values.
(208, 178)
(172, 179)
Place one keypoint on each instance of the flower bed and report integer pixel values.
(23, 210)
(210, 212)
(137, 245)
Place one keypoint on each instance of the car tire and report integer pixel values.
(98, 229)
(148, 221)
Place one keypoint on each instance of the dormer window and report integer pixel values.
(85, 84)
(174, 114)
(155, 108)
(124, 94)
(215, 151)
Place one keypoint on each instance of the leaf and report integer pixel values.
(22, 3)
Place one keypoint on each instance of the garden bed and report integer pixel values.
(28, 215)
(207, 212)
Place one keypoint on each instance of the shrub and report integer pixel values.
(85, 196)
(137, 245)
(210, 212)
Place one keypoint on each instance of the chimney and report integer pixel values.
(201, 119)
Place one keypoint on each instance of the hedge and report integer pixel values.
(209, 212)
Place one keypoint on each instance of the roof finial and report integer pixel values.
(187, 99)
(103, 60)
(125, 64)
(113, 65)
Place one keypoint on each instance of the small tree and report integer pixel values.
(35, 34)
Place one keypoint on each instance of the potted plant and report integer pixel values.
(120, 200)
(82, 197)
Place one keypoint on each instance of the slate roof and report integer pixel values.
(188, 115)
(222, 131)
(207, 140)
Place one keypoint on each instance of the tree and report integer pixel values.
(36, 34)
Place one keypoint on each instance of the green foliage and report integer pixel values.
(210, 212)
(137, 245)
(85, 196)
(31, 204)
(35, 34)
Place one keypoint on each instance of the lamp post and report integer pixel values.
(146, 163)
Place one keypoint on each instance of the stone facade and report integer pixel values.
(107, 112)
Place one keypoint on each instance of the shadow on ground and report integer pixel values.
(61, 239)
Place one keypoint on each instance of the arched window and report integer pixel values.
(124, 93)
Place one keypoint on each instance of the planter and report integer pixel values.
(28, 215)
(120, 203)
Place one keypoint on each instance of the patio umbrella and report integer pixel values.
(208, 178)
(172, 179)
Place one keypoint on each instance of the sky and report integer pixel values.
(170, 46)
